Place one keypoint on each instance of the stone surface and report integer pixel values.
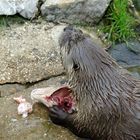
(29, 53)
(10, 89)
(74, 11)
(128, 56)
(26, 8)
(37, 126)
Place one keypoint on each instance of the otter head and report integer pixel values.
(86, 63)
(88, 67)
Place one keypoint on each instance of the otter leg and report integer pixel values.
(57, 115)
(65, 119)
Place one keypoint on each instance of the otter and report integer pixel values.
(106, 97)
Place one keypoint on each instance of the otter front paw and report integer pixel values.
(58, 115)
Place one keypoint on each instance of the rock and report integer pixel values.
(13, 120)
(30, 53)
(128, 56)
(7, 7)
(10, 89)
(37, 126)
(135, 71)
(74, 11)
(26, 8)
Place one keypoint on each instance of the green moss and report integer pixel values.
(2, 21)
(6, 21)
(118, 24)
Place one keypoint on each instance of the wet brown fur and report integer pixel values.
(108, 98)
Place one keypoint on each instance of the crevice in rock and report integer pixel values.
(40, 3)
(8, 89)
(28, 84)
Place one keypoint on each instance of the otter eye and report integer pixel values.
(76, 67)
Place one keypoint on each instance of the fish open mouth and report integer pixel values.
(50, 96)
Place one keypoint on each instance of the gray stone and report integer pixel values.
(128, 56)
(10, 89)
(7, 7)
(74, 11)
(37, 126)
(26, 8)
(30, 53)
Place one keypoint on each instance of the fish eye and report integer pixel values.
(76, 67)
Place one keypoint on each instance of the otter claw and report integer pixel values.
(58, 113)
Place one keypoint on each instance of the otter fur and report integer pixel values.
(107, 97)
